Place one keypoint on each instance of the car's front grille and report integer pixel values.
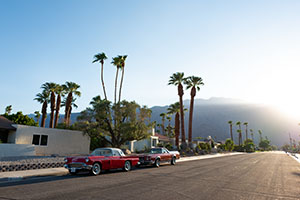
(75, 165)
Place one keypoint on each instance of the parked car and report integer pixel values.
(159, 155)
(101, 159)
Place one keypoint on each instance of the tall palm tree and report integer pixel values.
(175, 109)
(43, 98)
(260, 135)
(60, 92)
(246, 129)
(51, 87)
(240, 132)
(230, 126)
(100, 57)
(37, 116)
(252, 134)
(72, 89)
(8, 109)
(193, 82)
(73, 105)
(169, 118)
(177, 80)
(122, 67)
(117, 63)
(163, 118)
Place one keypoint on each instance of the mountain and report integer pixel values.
(211, 117)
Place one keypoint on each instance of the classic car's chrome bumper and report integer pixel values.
(147, 162)
(78, 166)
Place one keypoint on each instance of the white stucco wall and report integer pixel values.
(61, 142)
(7, 150)
(141, 144)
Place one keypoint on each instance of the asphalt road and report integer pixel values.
(249, 176)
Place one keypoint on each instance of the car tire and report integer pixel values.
(157, 162)
(96, 169)
(173, 161)
(127, 166)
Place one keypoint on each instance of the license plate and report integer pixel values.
(73, 169)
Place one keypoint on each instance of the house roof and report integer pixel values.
(162, 137)
(6, 124)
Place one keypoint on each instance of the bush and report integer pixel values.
(249, 146)
(229, 145)
(169, 146)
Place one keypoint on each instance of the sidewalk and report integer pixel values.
(19, 175)
(295, 156)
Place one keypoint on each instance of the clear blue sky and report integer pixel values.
(242, 49)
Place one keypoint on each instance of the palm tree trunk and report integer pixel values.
(231, 135)
(58, 102)
(67, 107)
(163, 125)
(69, 115)
(177, 124)
(180, 93)
(246, 132)
(52, 109)
(116, 82)
(193, 94)
(102, 80)
(44, 113)
(121, 83)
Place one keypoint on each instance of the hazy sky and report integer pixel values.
(242, 49)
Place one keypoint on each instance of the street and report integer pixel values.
(246, 176)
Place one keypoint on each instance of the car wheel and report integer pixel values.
(127, 166)
(96, 169)
(157, 162)
(173, 161)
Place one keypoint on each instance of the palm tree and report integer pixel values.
(37, 116)
(260, 135)
(252, 134)
(163, 118)
(73, 105)
(175, 109)
(177, 80)
(43, 98)
(70, 88)
(169, 118)
(50, 88)
(230, 126)
(246, 130)
(240, 132)
(117, 63)
(8, 109)
(60, 92)
(194, 83)
(100, 57)
(122, 65)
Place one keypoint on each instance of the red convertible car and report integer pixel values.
(159, 155)
(101, 159)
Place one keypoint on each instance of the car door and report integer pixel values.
(166, 155)
(116, 160)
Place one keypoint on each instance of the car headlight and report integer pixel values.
(66, 160)
(87, 160)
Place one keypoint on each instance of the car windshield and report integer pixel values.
(156, 151)
(102, 152)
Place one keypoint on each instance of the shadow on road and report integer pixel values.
(296, 173)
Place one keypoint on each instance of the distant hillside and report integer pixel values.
(211, 117)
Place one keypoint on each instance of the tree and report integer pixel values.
(19, 118)
(43, 98)
(122, 67)
(100, 57)
(229, 144)
(169, 128)
(50, 88)
(260, 135)
(246, 129)
(37, 116)
(240, 132)
(264, 144)
(73, 105)
(163, 118)
(133, 122)
(175, 109)
(60, 92)
(194, 83)
(72, 89)
(117, 63)
(177, 80)
(249, 145)
(8, 109)
(252, 134)
(230, 127)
